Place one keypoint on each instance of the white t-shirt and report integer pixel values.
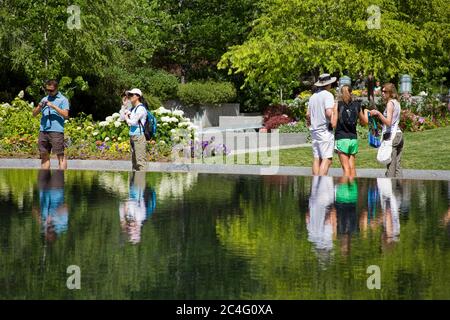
(317, 105)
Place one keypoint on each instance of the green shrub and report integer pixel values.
(210, 92)
(293, 127)
(159, 84)
(153, 102)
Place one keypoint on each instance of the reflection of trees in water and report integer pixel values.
(248, 241)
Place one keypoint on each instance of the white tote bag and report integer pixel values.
(385, 149)
(385, 152)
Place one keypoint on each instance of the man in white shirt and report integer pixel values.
(320, 109)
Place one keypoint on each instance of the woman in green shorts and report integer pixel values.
(346, 113)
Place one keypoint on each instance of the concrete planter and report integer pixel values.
(207, 115)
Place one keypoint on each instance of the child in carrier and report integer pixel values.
(346, 113)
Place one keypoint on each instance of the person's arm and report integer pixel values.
(38, 109)
(308, 117)
(390, 111)
(334, 116)
(134, 118)
(363, 116)
(64, 112)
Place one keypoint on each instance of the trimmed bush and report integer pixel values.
(210, 92)
(153, 102)
(160, 84)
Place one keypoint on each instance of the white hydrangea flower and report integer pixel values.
(107, 139)
(165, 124)
(183, 125)
(21, 94)
(173, 119)
(78, 128)
(178, 113)
(94, 133)
(162, 110)
(117, 124)
(109, 119)
(65, 121)
(165, 119)
(173, 130)
(115, 115)
(103, 123)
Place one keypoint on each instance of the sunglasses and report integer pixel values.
(129, 95)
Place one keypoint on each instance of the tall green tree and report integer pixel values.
(294, 37)
(42, 39)
(199, 33)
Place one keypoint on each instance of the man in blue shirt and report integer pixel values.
(54, 109)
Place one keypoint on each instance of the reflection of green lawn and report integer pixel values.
(423, 150)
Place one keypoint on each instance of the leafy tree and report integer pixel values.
(200, 31)
(294, 37)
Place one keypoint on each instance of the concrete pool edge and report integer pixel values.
(125, 165)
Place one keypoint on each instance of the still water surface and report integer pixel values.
(206, 236)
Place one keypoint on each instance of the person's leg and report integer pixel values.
(45, 161)
(316, 158)
(57, 142)
(44, 150)
(344, 159)
(324, 166)
(62, 161)
(326, 149)
(140, 146)
(316, 166)
(352, 163)
(392, 167)
(398, 168)
(133, 154)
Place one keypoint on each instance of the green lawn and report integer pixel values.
(423, 150)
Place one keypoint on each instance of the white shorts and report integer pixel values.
(323, 149)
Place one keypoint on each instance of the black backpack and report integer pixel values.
(348, 114)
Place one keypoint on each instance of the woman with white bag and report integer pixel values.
(390, 151)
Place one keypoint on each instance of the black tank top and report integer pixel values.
(348, 115)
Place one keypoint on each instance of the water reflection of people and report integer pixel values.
(390, 205)
(321, 218)
(137, 208)
(369, 217)
(347, 221)
(54, 213)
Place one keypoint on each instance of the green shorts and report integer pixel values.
(347, 192)
(347, 146)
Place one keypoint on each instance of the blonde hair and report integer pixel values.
(346, 93)
(390, 91)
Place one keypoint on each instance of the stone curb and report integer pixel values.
(121, 165)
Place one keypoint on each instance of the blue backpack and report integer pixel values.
(150, 125)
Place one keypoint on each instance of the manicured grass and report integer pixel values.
(422, 150)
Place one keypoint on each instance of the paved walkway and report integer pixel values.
(115, 165)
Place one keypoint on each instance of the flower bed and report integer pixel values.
(89, 139)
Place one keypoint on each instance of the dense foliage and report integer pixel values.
(210, 92)
(297, 37)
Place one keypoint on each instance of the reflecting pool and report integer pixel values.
(208, 236)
